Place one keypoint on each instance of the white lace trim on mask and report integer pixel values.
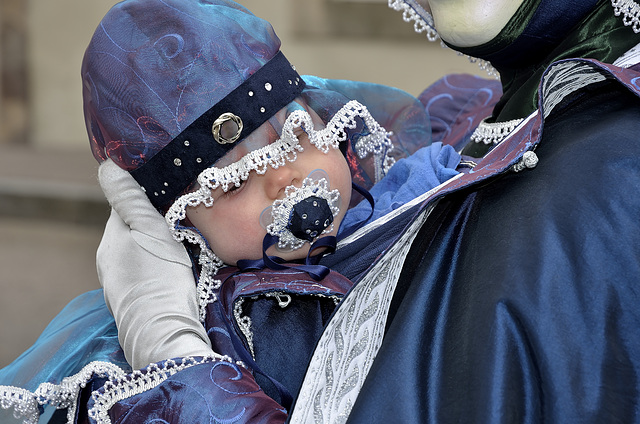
(422, 22)
(630, 11)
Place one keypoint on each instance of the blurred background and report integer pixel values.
(52, 211)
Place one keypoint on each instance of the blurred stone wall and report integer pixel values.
(14, 80)
(43, 42)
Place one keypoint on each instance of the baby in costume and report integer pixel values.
(230, 144)
(230, 177)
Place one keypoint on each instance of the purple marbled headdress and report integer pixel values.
(158, 74)
(155, 69)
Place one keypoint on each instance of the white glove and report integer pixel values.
(148, 283)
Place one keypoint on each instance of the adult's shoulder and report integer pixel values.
(594, 130)
(584, 183)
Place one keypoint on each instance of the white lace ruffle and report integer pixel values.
(630, 11)
(125, 386)
(64, 395)
(274, 155)
(23, 402)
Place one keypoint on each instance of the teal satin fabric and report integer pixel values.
(83, 332)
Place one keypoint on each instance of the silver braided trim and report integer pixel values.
(630, 11)
(494, 133)
(125, 386)
(565, 78)
(60, 396)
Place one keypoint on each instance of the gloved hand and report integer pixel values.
(147, 278)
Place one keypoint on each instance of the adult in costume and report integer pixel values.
(516, 296)
(507, 293)
(191, 96)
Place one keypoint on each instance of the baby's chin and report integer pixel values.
(294, 255)
(290, 255)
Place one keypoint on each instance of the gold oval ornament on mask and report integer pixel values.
(227, 128)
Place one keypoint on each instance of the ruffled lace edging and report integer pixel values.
(120, 385)
(630, 11)
(422, 22)
(137, 382)
(27, 405)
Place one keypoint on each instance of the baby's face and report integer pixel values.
(232, 224)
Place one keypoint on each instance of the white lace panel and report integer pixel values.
(351, 340)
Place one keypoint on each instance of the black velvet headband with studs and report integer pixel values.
(169, 172)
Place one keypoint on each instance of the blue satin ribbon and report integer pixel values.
(365, 193)
(310, 266)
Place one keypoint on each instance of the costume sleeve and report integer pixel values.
(147, 278)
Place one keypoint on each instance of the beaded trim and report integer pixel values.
(244, 324)
(494, 133)
(61, 396)
(280, 212)
(276, 154)
(207, 284)
(22, 401)
(423, 22)
(529, 161)
(139, 381)
(630, 11)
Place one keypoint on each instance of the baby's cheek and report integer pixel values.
(242, 241)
